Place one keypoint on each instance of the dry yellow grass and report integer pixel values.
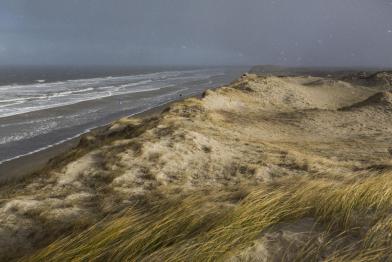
(353, 217)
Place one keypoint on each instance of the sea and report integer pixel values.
(41, 107)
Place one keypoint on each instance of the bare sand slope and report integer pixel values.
(255, 132)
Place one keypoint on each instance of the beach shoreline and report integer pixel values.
(15, 169)
(29, 140)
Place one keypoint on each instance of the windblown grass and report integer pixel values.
(354, 217)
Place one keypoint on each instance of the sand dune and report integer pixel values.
(263, 133)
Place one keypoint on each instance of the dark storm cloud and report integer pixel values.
(293, 32)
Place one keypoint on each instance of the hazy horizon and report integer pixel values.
(334, 33)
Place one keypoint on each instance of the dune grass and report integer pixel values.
(355, 218)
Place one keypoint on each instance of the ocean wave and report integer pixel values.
(66, 93)
(21, 99)
(12, 100)
(91, 81)
(25, 135)
(109, 92)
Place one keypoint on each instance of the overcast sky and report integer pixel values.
(196, 32)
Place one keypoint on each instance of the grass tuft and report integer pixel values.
(354, 217)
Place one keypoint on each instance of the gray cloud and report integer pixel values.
(301, 32)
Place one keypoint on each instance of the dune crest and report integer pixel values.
(381, 99)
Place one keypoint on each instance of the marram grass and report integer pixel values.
(354, 216)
